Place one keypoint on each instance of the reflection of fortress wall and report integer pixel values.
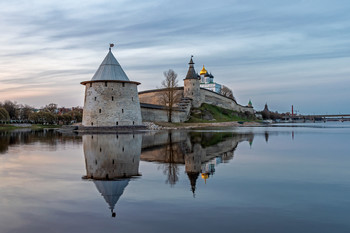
(112, 156)
(161, 138)
(226, 148)
(187, 151)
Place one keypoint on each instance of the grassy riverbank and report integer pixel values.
(208, 113)
(26, 126)
(211, 124)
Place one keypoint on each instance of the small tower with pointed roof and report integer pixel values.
(192, 85)
(111, 99)
(250, 104)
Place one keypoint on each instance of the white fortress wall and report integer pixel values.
(210, 97)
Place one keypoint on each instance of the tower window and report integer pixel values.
(123, 149)
(123, 84)
(92, 137)
(92, 123)
(100, 110)
(133, 122)
(113, 161)
(192, 93)
(100, 149)
(193, 84)
(95, 98)
(106, 84)
(96, 161)
(117, 124)
(90, 84)
(122, 110)
(112, 98)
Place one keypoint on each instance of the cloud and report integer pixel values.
(263, 49)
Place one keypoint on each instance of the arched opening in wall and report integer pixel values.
(133, 122)
(193, 84)
(105, 84)
(92, 123)
(95, 98)
(113, 161)
(117, 136)
(123, 84)
(92, 137)
(90, 84)
(133, 136)
(92, 176)
(107, 177)
(112, 98)
(99, 110)
(100, 149)
(96, 161)
(116, 124)
(123, 149)
(122, 110)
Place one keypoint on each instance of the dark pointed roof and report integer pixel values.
(193, 176)
(110, 69)
(111, 190)
(191, 73)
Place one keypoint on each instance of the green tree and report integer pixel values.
(11, 108)
(4, 115)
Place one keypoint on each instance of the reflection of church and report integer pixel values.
(200, 153)
(110, 161)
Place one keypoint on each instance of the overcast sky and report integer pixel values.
(279, 52)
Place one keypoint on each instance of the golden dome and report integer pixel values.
(203, 71)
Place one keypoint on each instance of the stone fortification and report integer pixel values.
(111, 100)
(111, 103)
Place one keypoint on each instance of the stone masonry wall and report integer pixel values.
(111, 104)
(154, 96)
(210, 97)
(161, 115)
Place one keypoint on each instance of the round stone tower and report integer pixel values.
(111, 99)
(192, 85)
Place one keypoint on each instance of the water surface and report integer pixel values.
(265, 179)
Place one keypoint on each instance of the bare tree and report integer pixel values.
(225, 91)
(170, 96)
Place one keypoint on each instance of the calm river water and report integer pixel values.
(263, 179)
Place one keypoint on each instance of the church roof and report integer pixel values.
(203, 71)
(110, 69)
(191, 73)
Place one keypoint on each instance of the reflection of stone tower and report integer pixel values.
(192, 85)
(111, 99)
(109, 156)
(193, 162)
(111, 191)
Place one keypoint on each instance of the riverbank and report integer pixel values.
(26, 126)
(167, 125)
